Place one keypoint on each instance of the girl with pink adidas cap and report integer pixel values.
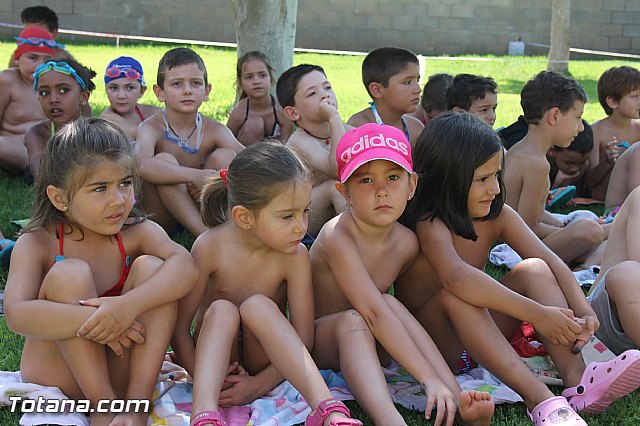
(355, 260)
(458, 213)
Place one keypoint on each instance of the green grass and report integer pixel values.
(511, 73)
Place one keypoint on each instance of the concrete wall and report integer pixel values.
(424, 26)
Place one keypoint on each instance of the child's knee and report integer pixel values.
(68, 281)
(589, 232)
(169, 158)
(257, 307)
(141, 269)
(352, 322)
(534, 267)
(620, 277)
(222, 309)
(221, 158)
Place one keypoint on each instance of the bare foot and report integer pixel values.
(476, 408)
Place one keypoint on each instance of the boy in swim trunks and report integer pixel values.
(178, 147)
(391, 77)
(124, 83)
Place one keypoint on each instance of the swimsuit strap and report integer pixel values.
(246, 114)
(52, 128)
(276, 123)
(139, 113)
(60, 256)
(376, 115)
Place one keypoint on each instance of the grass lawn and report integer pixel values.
(511, 74)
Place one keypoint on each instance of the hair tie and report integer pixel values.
(223, 176)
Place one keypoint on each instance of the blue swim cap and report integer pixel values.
(124, 67)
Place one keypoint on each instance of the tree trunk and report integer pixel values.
(560, 36)
(268, 26)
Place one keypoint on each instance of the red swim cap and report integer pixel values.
(31, 39)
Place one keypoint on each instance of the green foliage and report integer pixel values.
(511, 73)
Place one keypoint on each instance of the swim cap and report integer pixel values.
(124, 67)
(35, 39)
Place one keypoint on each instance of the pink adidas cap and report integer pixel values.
(370, 142)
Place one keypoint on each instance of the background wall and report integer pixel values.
(424, 26)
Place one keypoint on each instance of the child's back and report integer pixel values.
(391, 77)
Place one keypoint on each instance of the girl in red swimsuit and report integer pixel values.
(257, 115)
(125, 85)
(93, 286)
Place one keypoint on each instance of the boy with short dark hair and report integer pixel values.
(569, 165)
(391, 77)
(178, 147)
(433, 101)
(552, 105)
(38, 16)
(619, 95)
(475, 94)
(307, 99)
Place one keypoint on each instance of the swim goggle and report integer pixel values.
(61, 67)
(130, 73)
(37, 41)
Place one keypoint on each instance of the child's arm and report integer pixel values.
(5, 96)
(534, 188)
(225, 139)
(25, 313)
(182, 341)
(171, 281)
(527, 245)
(599, 166)
(479, 289)
(354, 281)
(315, 156)
(159, 172)
(236, 118)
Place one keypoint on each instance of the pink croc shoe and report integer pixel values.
(207, 418)
(604, 382)
(326, 407)
(555, 411)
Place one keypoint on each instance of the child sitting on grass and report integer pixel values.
(93, 286)
(355, 260)
(458, 213)
(552, 105)
(475, 94)
(257, 115)
(125, 85)
(309, 101)
(243, 344)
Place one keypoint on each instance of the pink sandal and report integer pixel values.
(326, 407)
(207, 418)
(604, 382)
(555, 411)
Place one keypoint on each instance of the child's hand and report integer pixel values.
(108, 322)
(590, 325)
(614, 150)
(439, 395)
(244, 389)
(327, 110)
(198, 179)
(133, 335)
(558, 325)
